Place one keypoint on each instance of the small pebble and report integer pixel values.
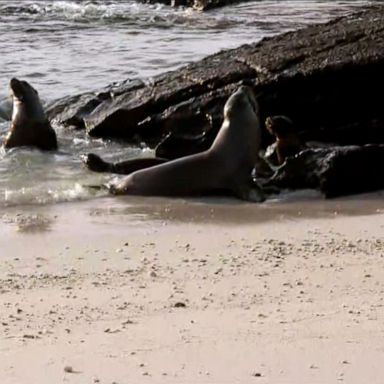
(29, 337)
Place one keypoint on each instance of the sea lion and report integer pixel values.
(29, 126)
(226, 166)
(287, 143)
(96, 164)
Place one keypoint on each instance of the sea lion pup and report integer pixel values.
(226, 166)
(29, 126)
(287, 141)
(96, 164)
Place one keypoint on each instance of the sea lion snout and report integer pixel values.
(247, 91)
(14, 82)
(21, 89)
(16, 88)
(243, 96)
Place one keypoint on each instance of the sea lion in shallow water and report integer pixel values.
(29, 126)
(226, 166)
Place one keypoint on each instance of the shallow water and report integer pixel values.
(67, 47)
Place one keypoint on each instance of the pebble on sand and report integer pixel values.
(180, 305)
(68, 369)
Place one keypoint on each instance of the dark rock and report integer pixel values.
(200, 5)
(336, 171)
(178, 144)
(326, 78)
(72, 110)
(180, 305)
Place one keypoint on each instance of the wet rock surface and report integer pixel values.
(336, 171)
(327, 78)
(200, 5)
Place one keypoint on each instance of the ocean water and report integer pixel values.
(67, 47)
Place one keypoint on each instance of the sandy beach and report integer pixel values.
(190, 291)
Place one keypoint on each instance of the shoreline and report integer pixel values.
(122, 290)
(104, 292)
(221, 210)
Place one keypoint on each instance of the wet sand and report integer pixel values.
(193, 291)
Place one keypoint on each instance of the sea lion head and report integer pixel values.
(244, 97)
(26, 102)
(20, 88)
(279, 126)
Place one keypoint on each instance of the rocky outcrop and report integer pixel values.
(335, 171)
(327, 78)
(199, 5)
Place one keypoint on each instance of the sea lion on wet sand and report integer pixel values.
(287, 143)
(96, 164)
(226, 166)
(29, 126)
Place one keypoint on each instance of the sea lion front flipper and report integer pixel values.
(95, 163)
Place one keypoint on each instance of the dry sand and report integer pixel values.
(164, 291)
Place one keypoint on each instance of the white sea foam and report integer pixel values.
(49, 194)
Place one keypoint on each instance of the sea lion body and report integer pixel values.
(287, 141)
(29, 126)
(226, 166)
